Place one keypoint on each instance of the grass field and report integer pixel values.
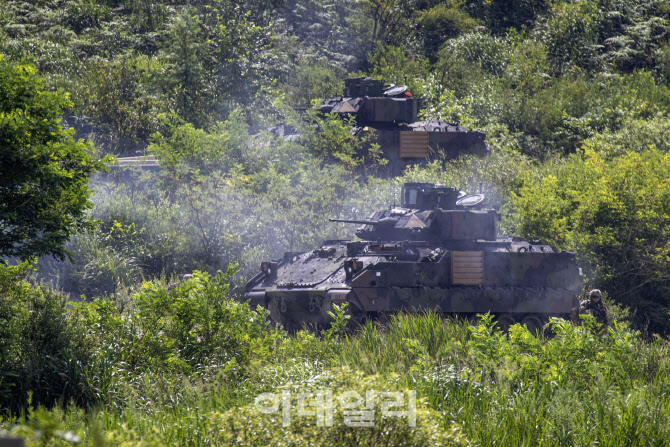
(193, 367)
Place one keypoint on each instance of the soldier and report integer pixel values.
(594, 306)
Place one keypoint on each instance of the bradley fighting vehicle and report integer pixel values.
(438, 251)
(391, 111)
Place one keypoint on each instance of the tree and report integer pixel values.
(502, 15)
(188, 77)
(392, 20)
(441, 22)
(44, 171)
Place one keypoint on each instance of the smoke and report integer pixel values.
(157, 224)
(154, 224)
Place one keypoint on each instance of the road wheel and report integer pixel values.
(356, 319)
(504, 321)
(279, 315)
(534, 323)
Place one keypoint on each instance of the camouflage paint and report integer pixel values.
(445, 259)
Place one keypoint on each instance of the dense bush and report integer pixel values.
(613, 212)
(43, 356)
(89, 352)
(44, 194)
(185, 327)
(249, 426)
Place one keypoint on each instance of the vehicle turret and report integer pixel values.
(430, 213)
(373, 103)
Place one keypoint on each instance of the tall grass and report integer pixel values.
(162, 378)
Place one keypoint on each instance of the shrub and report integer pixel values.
(570, 31)
(441, 22)
(614, 214)
(250, 426)
(185, 327)
(42, 351)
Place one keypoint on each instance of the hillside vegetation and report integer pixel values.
(574, 97)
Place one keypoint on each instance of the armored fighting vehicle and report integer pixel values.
(437, 250)
(391, 111)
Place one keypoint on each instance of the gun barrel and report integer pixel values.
(353, 221)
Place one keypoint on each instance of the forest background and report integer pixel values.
(573, 96)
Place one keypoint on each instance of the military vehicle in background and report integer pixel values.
(437, 250)
(391, 111)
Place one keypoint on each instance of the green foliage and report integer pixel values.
(575, 387)
(141, 235)
(196, 323)
(291, 211)
(570, 32)
(487, 52)
(42, 353)
(148, 17)
(582, 108)
(490, 81)
(313, 80)
(318, 32)
(188, 150)
(104, 262)
(225, 43)
(85, 14)
(632, 33)
(173, 363)
(613, 213)
(248, 426)
(408, 344)
(500, 16)
(332, 139)
(487, 342)
(122, 99)
(190, 328)
(572, 351)
(339, 323)
(396, 65)
(442, 22)
(12, 283)
(663, 62)
(623, 35)
(44, 191)
(244, 200)
(128, 66)
(391, 21)
(474, 80)
(186, 70)
(39, 426)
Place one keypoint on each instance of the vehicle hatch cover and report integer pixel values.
(308, 271)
